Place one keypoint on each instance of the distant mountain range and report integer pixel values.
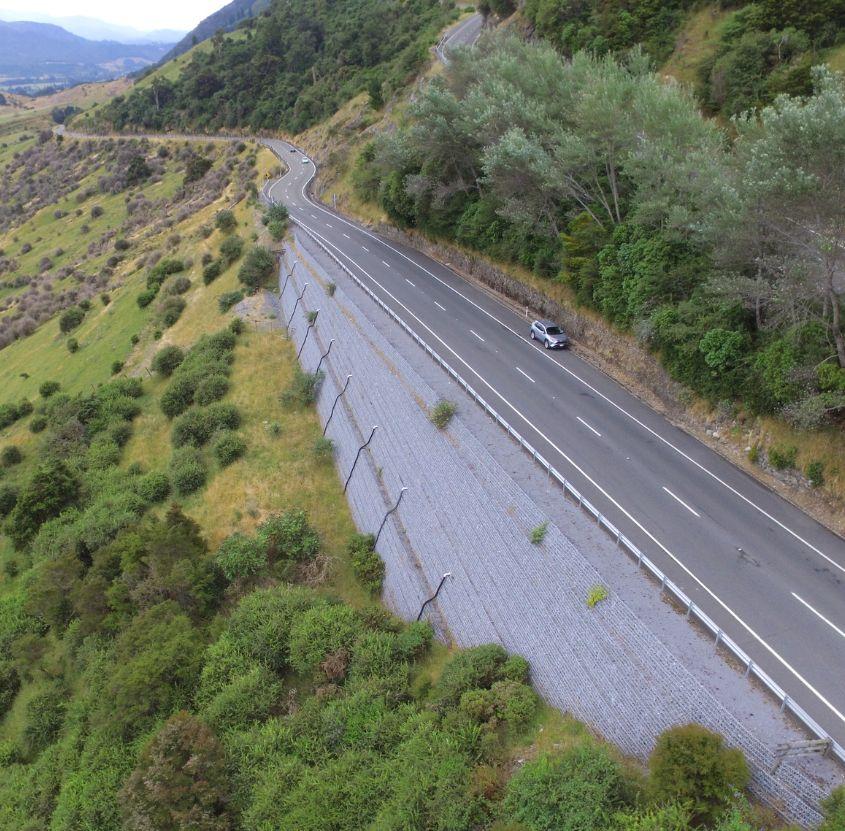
(92, 29)
(34, 56)
(224, 19)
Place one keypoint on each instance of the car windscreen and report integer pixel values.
(554, 330)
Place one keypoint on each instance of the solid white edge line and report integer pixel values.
(681, 502)
(526, 375)
(819, 615)
(595, 484)
(588, 426)
(477, 335)
(578, 378)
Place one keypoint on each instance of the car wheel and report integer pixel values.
(533, 336)
(547, 344)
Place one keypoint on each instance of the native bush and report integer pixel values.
(187, 471)
(257, 267)
(366, 563)
(229, 447)
(167, 359)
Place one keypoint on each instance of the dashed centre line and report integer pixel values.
(409, 282)
(439, 306)
(347, 236)
(819, 615)
(313, 217)
(365, 248)
(526, 375)
(388, 266)
(588, 426)
(329, 225)
(681, 501)
(477, 335)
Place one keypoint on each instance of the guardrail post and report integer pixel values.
(378, 533)
(304, 288)
(434, 596)
(322, 357)
(718, 637)
(358, 455)
(783, 703)
(307, 332)
(748, 668)
(328, 420)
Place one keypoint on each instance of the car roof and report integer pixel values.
(548, 323)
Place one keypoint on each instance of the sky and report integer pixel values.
(146, 16)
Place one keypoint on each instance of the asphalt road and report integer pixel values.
(464, 33)
(772, 577)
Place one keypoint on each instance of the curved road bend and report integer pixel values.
(772, 577)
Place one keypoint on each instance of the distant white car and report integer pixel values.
(305, 160)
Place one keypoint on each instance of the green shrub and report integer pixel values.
(577, 790)
(178, 285)
(196, 168)
(322, 631)
(193, 427)
(187, 470)
(49, 388)
(367, 566)
(781, 458)
(11, 455)
(277, 230)
(170, 310)
(240, 556)
(154, 487)
(146, 297)
(229, 299)
(814, 471)
(479, 667)
(302, 389)
(288, 537)
(72, 345)
(8, 498)
(538, 533)
(225, 221)
(691, 764)
(211, 272)
(25, 407)
(116, 367)
(754, 453)
(162, 270)
(37, 424)
(210, 389)
(596, 595)
(237, 326)
(441, 414)
(257, 267)
(231, 249)
(223, 416)
(167, 359)
(323, 450)
(833, 810)
(71, 318)
(10, 683)
(8, 415)
(45, 713)
(275, 213)
(229, 447)
(331, 288)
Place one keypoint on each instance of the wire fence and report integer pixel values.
(693, 612)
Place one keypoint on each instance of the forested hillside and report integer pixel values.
(757, 49)
(723, 252)
(298, 63)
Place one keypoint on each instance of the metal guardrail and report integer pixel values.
(693, 611)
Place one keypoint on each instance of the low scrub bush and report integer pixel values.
(229, 299)
(38, 424)
(170, 310)
(71, 318)
(241, 557)
(154, 487)
(225, 221)
(289, 537)
(366, 563)
(49, 388)
(229, 447)
(231, 249)
(814, 471)
(212, 388)
(72, 345)
(538, 533)
(302, 389)
(167, 359)
(257, 267)
(441, 414)
(782, 457)
(187, 470)
(692, 765)
(323, 450)
(596, 595)
(212, 271)
(177, 285)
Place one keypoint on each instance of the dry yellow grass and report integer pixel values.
(697, 40)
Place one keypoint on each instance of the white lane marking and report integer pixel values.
(681, 501)
(365, 248)
(388, 265)
(313, 217)
(477, 335)
(819, 615)
(588, 426)
(329, 226)
(439, 306)
(410, 283)
(589, 386)
(595, 484)
(347, 236)
(526, 375)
